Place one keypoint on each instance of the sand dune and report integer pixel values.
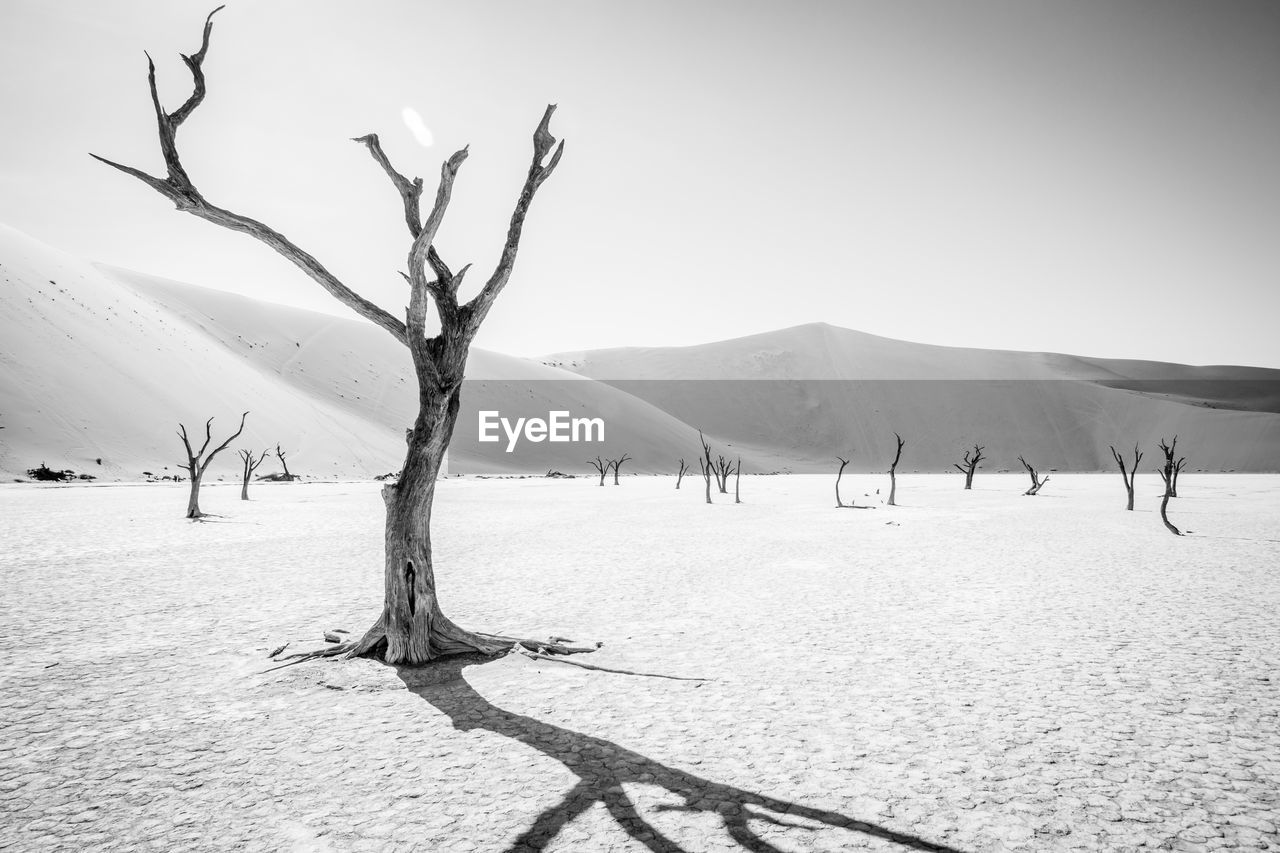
(102, 364)
(814, 391)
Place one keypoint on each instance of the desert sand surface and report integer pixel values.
(971, 671)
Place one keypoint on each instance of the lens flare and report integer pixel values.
(417, 127)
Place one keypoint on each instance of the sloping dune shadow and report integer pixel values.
(603, 767)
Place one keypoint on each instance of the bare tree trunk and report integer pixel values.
(601, 466)
(840, 473)
(1173, 481)
(193, 499)
(412, 627)
(284, 464)
(1036, 482)
(737, 482)
(706, 477)
(617, 463)
(1125, 475)
(713, 470)
(893, 470)
(1167, 473)
(971, 460)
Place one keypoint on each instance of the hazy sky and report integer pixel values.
(1099, 178)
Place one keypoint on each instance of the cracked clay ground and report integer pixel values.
(971, 671)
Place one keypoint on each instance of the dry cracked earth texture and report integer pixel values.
(967, 672)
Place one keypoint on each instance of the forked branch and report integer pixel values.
(539, 170)
(179, 188)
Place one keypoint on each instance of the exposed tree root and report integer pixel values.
(445, 639)
(540, 656)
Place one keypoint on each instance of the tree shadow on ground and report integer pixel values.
(603, 767)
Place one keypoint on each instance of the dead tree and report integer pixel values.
(601, 465)
(724, 468)
(285, 466)
(250, 464)
(617, 463)
(1126, 475)
(705, 468)
(720, 469)
(681, 472)
(840, 473)
(1036, 482)
(971, 460)
(737, 482)
(893, 470)
(411, 629)
(198, 463)
(1177, 469)
(1167, 474)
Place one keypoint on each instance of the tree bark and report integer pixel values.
(970, 465)
(1167, 473)
(1125, 474)
(412, 628)
(893, 470)
(193, 499)
(840, 473)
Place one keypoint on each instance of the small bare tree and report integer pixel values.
(840, 473)
(1036, 482)
(681, 472)
(1177, 469)
(737, 482)
(250, 463)
(1125, 474)
(705, 468)
(971, 460)
(601, 465)
(724, 467)
(198, 463)
(617, 463)
(285, 466)
(721, 468)
(893, 470)
(1167, 474)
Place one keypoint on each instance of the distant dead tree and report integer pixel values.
(705, 468)
(1167, 474)
(971, 460)
(721, 468)
(1126, 475)
(737, 482)
(285, 466)
(681, 472)
(411, 627)
(1036, 482)
(840, 473)
(724, 467)
(617, 463)
(251, 464)
(893, 470)
(1177, 469)
(198, 463)
(601, 465)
